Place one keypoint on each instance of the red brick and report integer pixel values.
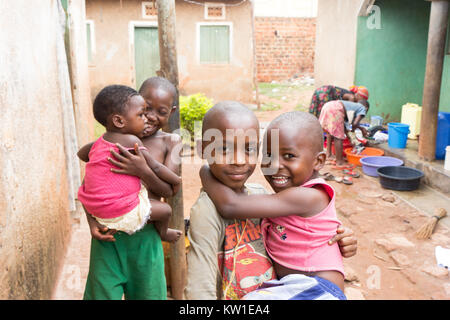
(290, 52)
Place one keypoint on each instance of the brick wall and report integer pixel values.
(284, 47)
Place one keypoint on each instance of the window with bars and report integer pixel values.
(149, 9)
(214, 11)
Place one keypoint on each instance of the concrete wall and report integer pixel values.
(114, 58)
(336, 26)
(391, 57)
(221, 82)
(37, 140)
(284, 47)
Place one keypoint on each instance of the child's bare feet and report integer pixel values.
(171, 235)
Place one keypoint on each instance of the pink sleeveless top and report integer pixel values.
(106, 194)
(302, 243)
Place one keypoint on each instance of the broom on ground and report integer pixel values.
(427, 229)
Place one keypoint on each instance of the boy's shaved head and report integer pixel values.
(158, 83)
(304, 123)
(230, 136)
(232, 111)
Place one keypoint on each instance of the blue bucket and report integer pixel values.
(398, 134)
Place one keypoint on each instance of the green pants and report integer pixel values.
(132, 265)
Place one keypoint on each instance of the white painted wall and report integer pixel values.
(336, 31)
(286, 8)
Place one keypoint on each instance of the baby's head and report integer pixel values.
(299, 154)
(160, 95)
(120, 109)
(230, 136)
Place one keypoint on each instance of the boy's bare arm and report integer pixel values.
(231, 205)
(173, 157)
(99, 231)
(83, 153)
(293, 201)
(163, 172)
(356, 125)
(136, 165)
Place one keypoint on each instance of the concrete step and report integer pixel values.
(434, 190)
(427, 200)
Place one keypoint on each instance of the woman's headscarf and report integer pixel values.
(361, 90)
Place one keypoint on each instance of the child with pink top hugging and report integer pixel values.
(298, 220)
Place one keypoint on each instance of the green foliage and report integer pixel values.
(269, 106)
(98, 129)
(301, 106)
(276, 90)
(281, 91)
(193, 108)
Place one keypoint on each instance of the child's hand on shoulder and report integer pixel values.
(129, 163)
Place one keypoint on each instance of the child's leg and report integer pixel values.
(338, 147)
(329, 144)
(161, 213)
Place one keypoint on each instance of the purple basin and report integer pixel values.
(371, 164)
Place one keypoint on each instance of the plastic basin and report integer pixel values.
(399, 178)
(354, 158)
(371, 164)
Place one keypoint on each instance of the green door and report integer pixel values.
(146, 53)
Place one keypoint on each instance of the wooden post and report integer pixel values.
(433, 76)
(169, 70)
(255, 67)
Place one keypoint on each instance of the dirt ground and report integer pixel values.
(390, 263)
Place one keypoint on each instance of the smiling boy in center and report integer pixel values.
(227, 258)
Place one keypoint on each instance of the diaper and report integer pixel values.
(134, 220)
